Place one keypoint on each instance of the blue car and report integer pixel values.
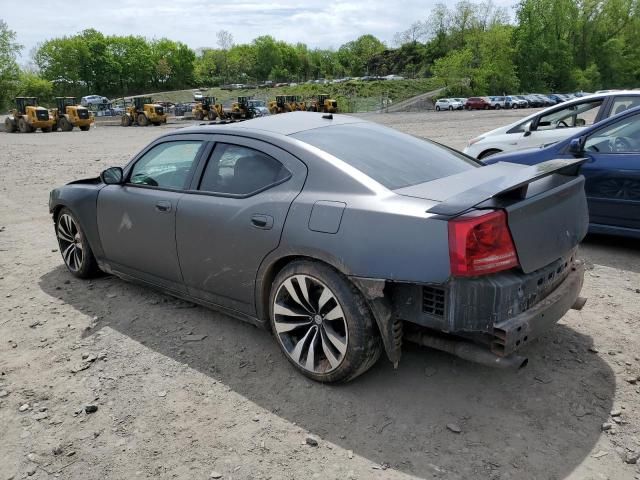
(611, 169)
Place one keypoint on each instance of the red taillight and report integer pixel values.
(481, 244)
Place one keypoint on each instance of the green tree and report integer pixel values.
(9, 70)
(32, 85)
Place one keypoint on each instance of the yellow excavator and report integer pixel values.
(324, 104)
(143, 112)
(69, 114)
(209, 109)
(27, 117)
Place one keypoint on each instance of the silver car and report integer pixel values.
(448, 104)
(341, 236)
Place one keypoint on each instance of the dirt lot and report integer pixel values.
(172, 407)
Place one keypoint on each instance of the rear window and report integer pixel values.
(391, 158)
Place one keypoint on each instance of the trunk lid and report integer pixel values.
(545, 204)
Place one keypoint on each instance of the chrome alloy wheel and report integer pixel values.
(70, 242)
(310, 324)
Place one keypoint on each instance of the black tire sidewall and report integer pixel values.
(89, 265)
(363, 342)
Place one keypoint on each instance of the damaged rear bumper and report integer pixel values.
(498, 313)
(511, 334)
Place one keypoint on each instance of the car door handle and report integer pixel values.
(264, 222)
(163, 206)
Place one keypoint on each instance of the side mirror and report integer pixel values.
(576, 146)
(529, 129)
(112, 176)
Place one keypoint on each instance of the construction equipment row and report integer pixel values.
(293, 103)
(28, 116)
(209, 109)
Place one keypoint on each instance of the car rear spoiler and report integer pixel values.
(509, 183)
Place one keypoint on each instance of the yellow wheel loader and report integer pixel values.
(323, 104)
(70, 114)
(143, 112)
(27, 117)
(279, 105)
(208, 109)
(242, 109)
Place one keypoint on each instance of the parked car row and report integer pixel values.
(532, 100)
(603, 130)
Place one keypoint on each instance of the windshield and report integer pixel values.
(393, 159)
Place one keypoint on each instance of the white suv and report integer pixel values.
(449, 104)
(552, 124)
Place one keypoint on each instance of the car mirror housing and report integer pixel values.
(112, 176)
(576, 146)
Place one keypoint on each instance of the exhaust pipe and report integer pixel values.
(579, 303)
(467, 351)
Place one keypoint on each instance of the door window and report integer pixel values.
(166, 165)
(622, 136)
(576, 115)
(620, 104)
(241, 171)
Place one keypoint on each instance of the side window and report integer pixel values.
(240, 171)
(622, 136)
(166, 165)
(577, 115)
(620, 104)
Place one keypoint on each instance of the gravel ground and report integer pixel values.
(170, 403)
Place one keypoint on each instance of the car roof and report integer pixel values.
(284, 124)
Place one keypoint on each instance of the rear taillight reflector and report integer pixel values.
(480, 244)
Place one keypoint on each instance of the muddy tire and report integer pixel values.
(85, 128)
(23, 126)
(143, 121)
(198, 115)
(10, 125)
(125, 121)
(74, 247)
(64, 124)
(211, 116)
(322, 323)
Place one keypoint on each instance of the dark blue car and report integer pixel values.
(612, 170)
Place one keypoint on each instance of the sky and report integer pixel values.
(318, 23)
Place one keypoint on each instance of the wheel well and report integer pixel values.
(267, 280)
(272, 272)
(486, 153)
(56, 212)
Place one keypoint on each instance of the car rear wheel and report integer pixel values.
(322, 323)
(74, 247)
(437, 108)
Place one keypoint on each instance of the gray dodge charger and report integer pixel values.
(341, 236)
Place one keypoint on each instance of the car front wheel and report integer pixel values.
(74, 247)
(322, 323)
